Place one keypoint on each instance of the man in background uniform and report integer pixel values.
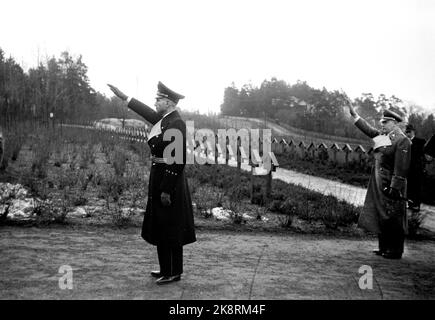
(429, 148)
(2, 148)
(384, 211)
(168, 221)
(416, 168)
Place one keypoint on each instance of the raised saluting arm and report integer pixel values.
(140, 108)
(360, 123)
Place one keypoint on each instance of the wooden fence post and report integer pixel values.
(268, 190)
(239, 160)
(256, 155)
(273, 165)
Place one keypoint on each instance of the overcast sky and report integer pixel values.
(198, 47)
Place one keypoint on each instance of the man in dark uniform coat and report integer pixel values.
(384, 210)
(415, 174)
(168, 221)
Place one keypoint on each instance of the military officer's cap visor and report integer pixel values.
(391, 115)
(165, 92)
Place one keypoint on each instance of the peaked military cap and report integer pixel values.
(164, 91)
(391, 115)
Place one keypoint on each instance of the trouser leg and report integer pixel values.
(177, 260)
(414, 189)
(410, 191)
(383, 245)
(418, 185)
(164, 255)
(397, 243)
(170, 260)
(393, 242)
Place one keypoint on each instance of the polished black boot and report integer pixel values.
(168, 279)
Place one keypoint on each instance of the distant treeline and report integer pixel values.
(302, 106)
(61, 86)
(57, 85)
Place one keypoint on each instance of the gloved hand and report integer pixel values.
(165, 198)
(392, 193)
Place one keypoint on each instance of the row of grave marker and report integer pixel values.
(205, 150)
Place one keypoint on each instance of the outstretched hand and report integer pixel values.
(349, 104)
(118, 92)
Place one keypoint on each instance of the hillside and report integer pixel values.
(280, 130)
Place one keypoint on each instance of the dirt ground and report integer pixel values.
(112, 263)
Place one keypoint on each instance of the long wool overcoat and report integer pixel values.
(381, 214)
(174, 224)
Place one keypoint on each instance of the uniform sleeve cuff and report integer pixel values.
(129, 99)
(355, 119)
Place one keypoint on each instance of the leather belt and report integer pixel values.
(158, 160)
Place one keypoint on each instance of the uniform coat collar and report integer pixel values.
(171, 115)
(161, 125)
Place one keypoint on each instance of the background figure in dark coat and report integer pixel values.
(429, 149)
(168, 221)
(384, 210)
(2, 149)
(416, 168)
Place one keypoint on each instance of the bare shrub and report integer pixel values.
(11, 143)
(290, 210)
(235, 196)
(206, 198)
(260, 212)
(41, 156)
(136, 183)
(87, 156)
(119, 161)
(48, 212)
(119, 218)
